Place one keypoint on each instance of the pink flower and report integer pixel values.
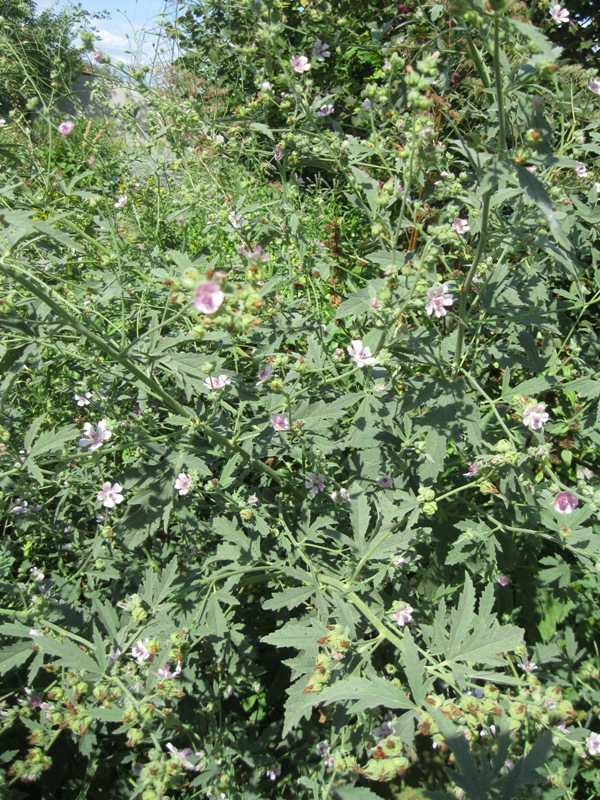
(559, 14)
(531, 168)
(316, 483)
(214, 382)
(280, 422)
(266, 85)
(535, 416)
(181, 755)
(121, 202)
(65, 128)
(473, 469)
(594, 86)
(438, 298)
(183, 483)
(165, 671)
(403, 615)
(254, 255)
(99, 57)
(565, 503)
(384, 482)
(321, 50)
(326, 110)
(581, 171)
(140, 651)
(110, 495)
(209, 297)
(593, 744)
(503, 580)
(93, 439)
(265, 374)
(300, 64)
(461, 225)
(361, 355)
(277, 153)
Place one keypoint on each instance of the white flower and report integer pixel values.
(360, 354)
(82, 399)
(94, 438)
(266, 85)
(236, 220)
(438, 298)
(461, 225)
(559, 14)
(535, 416)
(581, 171)
(594, 86)
(300, 64)
(110, 495)
(326, 110)
(121, 202)
(593, 744)
(528, 666)
(403, 615)
(280, 422)
(215, 382)
(183, 483)
(140, 651)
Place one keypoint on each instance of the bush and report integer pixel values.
(300, 421)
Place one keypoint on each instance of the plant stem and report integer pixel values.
(462, 308)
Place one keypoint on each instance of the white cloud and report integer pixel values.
(109, 39)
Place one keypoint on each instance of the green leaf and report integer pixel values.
(367, 693)
(415, 669)
(14, 655)
(289, 598)
(463, 636)
(545, 46)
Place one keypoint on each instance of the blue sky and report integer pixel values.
(133, 26)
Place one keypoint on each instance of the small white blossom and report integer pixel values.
(438, 299)
(559, 14)
(140, 651)
(360, 354)
(94, 438)
(535, 416)
(461, 225)
(183, 483)
(82, 399)
(403, 615)
(593, 744)
(300, 63)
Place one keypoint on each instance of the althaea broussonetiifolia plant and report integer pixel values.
(300, 415)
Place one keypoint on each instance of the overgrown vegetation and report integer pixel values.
(300, 418)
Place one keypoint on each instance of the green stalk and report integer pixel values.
(462, 308)
(498, 82)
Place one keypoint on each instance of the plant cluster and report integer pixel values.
(300, 417)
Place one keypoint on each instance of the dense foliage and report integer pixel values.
(300, 418)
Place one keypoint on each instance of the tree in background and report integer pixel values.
(38, 59)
